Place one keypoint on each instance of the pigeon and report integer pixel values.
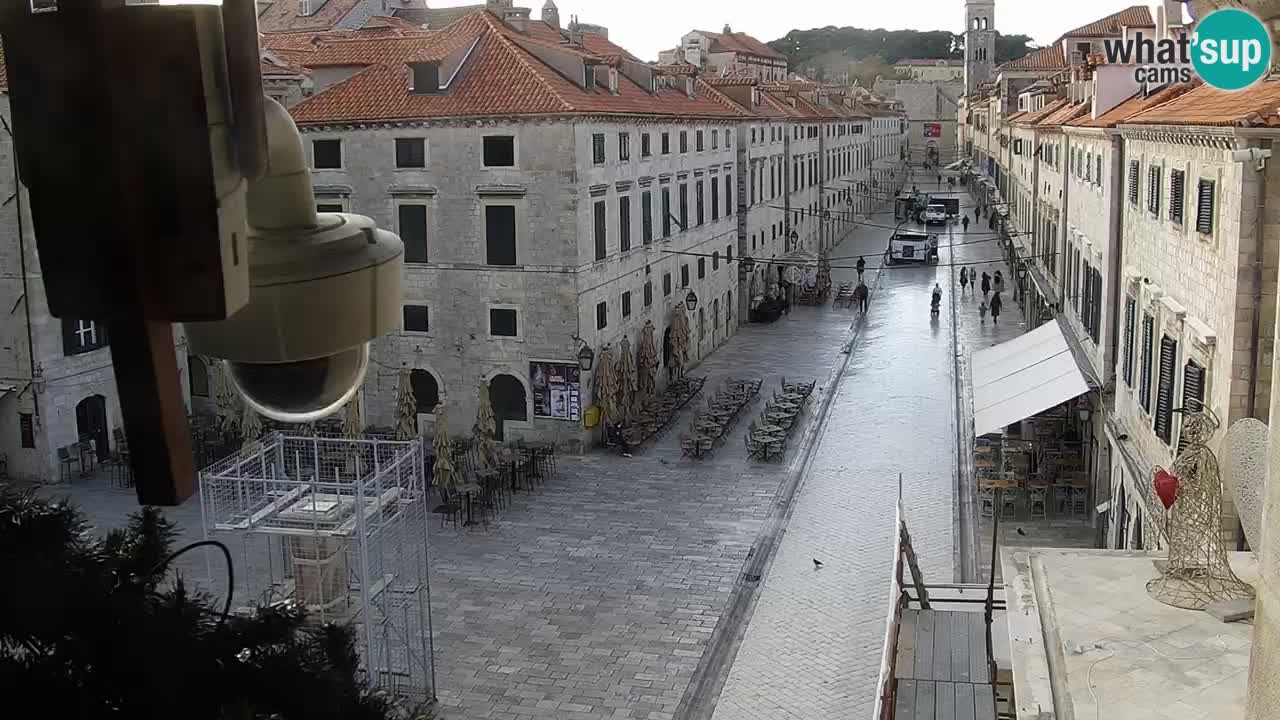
(817, 564)
(1021, 531)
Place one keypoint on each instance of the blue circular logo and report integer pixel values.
(1231, 49)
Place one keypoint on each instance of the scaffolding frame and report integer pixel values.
(338, 525)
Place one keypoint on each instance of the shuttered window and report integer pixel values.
(1205, 206)
(646, 216)
(1086, 297)
(1192, 392)
(1130, 319)
(1097, 178)
(624, 223)
(1177, 194)
(1153, 190)
(1163, 420)
(1144, 370)
(1133, 182)
(601, 224)
(1097, 307)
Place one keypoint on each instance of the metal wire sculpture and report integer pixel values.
(1198, 572)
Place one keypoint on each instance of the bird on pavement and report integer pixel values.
(1021, 531)
(817, 564)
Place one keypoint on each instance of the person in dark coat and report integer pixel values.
(997, 284)
(986, 284)
(860, 296)
(862, 265)
(965, 222)
(964, 279)
(992, 222)
(996, 304)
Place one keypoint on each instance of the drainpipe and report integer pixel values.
(1116, 253)
(1255, 331)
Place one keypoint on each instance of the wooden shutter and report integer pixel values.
(1144, 372)
(1204, 207)
(1133, 182)
(1153, 189)
(1192, 392)
(646, 216)
(412, 223)
(1130, 320)
(1097, 306)
(500, 234)
(624, 223)
(1163, 421)
(600, 229)
(1177, 194)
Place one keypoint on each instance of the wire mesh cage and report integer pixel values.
(338, 525)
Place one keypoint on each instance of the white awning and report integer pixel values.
(1024, 376)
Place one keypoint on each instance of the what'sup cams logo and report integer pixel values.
(1230, 50)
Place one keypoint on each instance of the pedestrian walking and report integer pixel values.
(860, 295)
(977, 214)
(939, 181)
(992, 222)
(986, 284)
(862, 265)
(982, 311)
(964, 279)
(997, 284)
(965, 223)
(996, 304)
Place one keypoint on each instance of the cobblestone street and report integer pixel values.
(610, 591)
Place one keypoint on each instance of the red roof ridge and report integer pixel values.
(522, 56)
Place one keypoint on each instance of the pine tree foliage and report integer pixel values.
(100, 628)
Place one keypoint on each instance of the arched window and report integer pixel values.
(425, 390)
(976, 24)
(198, 374)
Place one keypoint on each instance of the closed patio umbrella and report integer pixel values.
(406, 407)
(646, 361)
(444, 472)
(227, 403)
(352, 422)
(625, 385)
(602, 388)
(486, 428)
(250, 428)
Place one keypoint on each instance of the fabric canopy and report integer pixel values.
(1027, 375)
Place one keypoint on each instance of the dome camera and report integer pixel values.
(321, 288)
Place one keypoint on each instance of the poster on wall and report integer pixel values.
(933, 130)
(557, 390)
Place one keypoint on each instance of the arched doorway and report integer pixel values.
(198, 376)
(426, 393)
(509, 400)
(91, 423)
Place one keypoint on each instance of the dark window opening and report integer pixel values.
(602, 315)
(411, 153)
(502, 322)
(499, 151)
(500, 234)
(413, 231)
(416, 318)
(600, 224)
(327, 154)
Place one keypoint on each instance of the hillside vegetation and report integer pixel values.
(831, 49)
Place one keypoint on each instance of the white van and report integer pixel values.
(907, 247)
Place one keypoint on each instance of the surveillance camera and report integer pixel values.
(321, 288)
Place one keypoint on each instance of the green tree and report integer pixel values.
(90, 629)
(816, 47)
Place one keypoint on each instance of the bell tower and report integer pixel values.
(979, 42)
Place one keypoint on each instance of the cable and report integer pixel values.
(231, 575)
(1097, 704)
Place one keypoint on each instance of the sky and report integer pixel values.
(646, 27)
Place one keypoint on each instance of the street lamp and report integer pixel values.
(691, 301)
(586, 356)
(747, 264)
(794, 237)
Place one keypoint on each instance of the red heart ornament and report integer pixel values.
(1166, 487)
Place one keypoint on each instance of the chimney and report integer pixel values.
(755, 96)
(424, 78)
(551, 14)
(689, 83)
(727, 30)
(574, 35)
(613, 80)
(517, 19)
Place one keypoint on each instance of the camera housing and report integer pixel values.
(321, 287)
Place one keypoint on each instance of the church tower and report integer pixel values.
(979, 42)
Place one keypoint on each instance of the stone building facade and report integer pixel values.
(727, 54)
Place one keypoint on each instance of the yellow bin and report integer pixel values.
(591, 417)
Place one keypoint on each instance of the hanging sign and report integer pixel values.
(557, 390)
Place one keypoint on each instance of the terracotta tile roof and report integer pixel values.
(290, 41)
(740, 42)
(1049, 58)
(1134, 105)
(677, 69)
(1016, 116)
(378, 21)
(499, 77)
(282, 15)
(1063, 115)
(727, 81)
(1256, 106)
(435, 18)
(1032, 117)
(1133, 16)
(272, 66)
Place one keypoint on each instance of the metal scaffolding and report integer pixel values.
(338, 525)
